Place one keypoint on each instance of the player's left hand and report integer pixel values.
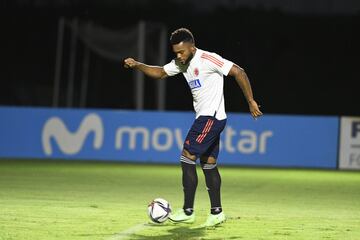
(254, 109)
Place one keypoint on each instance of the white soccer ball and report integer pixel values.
(159, 210)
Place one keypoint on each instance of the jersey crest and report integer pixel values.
(196, 72)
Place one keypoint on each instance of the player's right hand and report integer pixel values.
(130, 63)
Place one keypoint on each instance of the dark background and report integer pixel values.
(302, 57)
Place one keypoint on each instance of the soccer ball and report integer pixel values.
(159, 210)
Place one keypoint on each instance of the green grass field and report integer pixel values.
(90, 200)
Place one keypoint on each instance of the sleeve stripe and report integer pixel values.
(220, 64)
(212, 59)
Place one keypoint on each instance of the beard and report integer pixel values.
(188, 59)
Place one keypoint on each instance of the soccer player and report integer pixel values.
(204, 73)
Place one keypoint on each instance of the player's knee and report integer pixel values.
(208, 159)
(189, 155)
(207, 162)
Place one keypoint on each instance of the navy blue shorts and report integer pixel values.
(203, 138)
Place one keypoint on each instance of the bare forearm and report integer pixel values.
(244, 83)
(241, 78)
(151, 71)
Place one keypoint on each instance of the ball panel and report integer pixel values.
(159, 210)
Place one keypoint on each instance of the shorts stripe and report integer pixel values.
(205, 131)
(186, 160)
(207, 123)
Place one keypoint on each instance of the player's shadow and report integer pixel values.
(181, 232)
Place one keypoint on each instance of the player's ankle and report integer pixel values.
(216, 210)
(188, 211)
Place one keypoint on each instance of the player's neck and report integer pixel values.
(193, 55)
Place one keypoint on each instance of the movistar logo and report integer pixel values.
(68, 142)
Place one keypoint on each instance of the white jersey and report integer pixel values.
(205, 77)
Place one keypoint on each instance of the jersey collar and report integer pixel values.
(196, 55)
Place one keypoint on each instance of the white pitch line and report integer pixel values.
(128, 232)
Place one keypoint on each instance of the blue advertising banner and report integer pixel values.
(145, 136)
